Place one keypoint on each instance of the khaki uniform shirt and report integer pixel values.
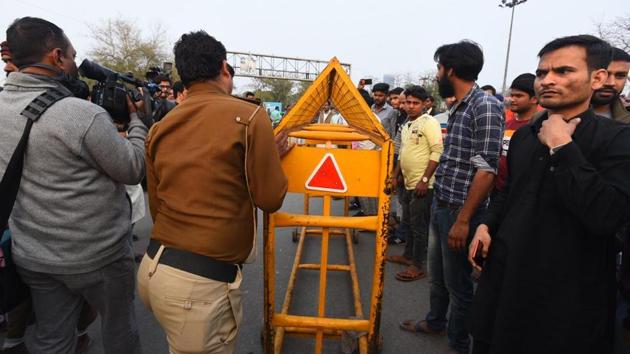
(197, 175)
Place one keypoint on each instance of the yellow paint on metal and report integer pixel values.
(366, 173)
(358, 167)
(334, 84)
(362, 222)
(343, 324)
(328, 135)
(329, 128)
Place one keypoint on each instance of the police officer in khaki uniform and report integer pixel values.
(210, 163)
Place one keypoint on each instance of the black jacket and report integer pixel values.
(548, 285)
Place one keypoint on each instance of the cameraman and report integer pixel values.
(71, 220)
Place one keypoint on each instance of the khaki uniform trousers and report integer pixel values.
(199, 315)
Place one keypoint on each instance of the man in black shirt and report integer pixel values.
(548, 282)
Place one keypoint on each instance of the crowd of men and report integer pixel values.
(532, 206)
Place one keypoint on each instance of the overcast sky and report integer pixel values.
(376, 37)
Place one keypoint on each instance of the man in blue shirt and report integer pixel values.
(464, 179)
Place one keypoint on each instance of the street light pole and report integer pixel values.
(511, 4)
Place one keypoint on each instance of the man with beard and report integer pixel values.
(464, 179)
(524, 106)
(606, 101)
(18, 318)
(70, 222)
(548, 282)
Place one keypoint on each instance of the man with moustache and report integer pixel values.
(548, 281)
(606, 101)
(71, 220)
(464, 179)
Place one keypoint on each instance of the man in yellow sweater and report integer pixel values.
(420, 150)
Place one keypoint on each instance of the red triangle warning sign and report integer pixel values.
(327, 177)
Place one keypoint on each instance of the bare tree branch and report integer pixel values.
(122, 46)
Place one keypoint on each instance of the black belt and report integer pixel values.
(194, 263)
(443, 204)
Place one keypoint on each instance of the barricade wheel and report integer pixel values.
(355, 237)
(295, 236)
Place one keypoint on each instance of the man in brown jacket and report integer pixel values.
(210, 163)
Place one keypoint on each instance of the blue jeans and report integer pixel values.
(450, 279)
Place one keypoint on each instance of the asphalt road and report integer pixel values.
(401, 300)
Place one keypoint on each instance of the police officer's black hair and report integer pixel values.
(198, 57)
(231, 70)
(30, 38)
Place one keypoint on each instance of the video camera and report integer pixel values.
(110, 92)
(154, 73)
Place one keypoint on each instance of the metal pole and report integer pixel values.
(507, 56)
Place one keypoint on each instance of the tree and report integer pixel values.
(276, 90)
(121, 45)
(616, 32)
(299, 89)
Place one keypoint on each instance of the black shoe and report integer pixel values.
(354, 206)
(359, 213)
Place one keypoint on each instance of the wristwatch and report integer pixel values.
(424, 179)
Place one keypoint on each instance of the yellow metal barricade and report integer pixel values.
(360, 173)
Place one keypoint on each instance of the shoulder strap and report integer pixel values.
(11, 180)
